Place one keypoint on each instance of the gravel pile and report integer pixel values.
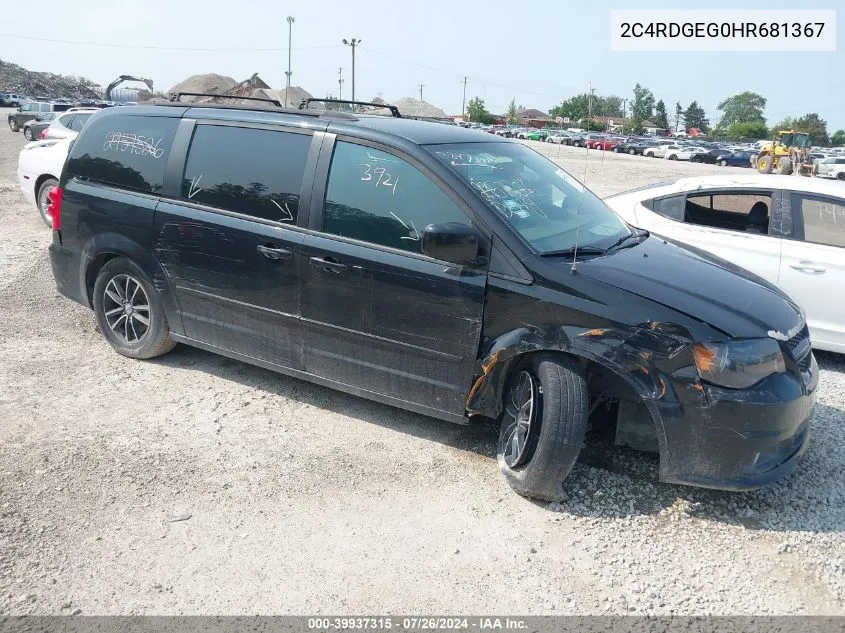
(208, 83)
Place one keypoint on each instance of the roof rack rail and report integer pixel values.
(176, 96)
(394, 111)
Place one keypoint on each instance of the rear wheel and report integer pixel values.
(673, 157)
(129, 311)
(43, 200)
(840, 175)
(632, 151)
(723, 163)
(543, 425)
(785, 166)
(27, 134)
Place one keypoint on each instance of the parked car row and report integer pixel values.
(51, 119)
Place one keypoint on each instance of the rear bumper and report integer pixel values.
(27, 185)
(737, 439)
(66, 265)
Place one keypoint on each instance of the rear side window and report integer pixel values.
(79, 121)
(66, 119)
(671, 207)
(250, 171)
(124, 151)
(824, 219)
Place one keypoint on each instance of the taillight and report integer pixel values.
(55, 207)
(43, 134)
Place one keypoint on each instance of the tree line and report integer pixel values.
(742, 116)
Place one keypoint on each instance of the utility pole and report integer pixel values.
(464, 106)
(624, 105)
(340, 83)
(590, 107)
(421, 87)
(353, 43)
(289, 73)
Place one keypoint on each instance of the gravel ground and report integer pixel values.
(194, 484)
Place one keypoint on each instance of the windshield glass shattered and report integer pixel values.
(540, 200)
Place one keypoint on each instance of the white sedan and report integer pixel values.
(786, 229)
(685, 153)
(661, 150)
(39, 169)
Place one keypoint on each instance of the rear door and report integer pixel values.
(377, 314)
(229, 244)
(812, 268)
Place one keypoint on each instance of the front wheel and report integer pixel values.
(632, 151)
(673, 157)
(543, 425)
(13, 125)
(840, 175)
(27, 134)
(723, 163)
(129, 311)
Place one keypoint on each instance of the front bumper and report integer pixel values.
(736, 439)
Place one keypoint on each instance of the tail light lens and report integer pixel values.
(43, 134)
(55, 207)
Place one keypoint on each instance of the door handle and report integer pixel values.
(329, 265)
(808, 267)
(271, 251)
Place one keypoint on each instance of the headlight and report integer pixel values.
(738, 364)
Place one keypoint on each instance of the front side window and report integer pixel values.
(824, 219)
(245, 170)
(378, 197)
(550, 209)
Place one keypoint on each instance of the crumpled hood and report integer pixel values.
(700, 285)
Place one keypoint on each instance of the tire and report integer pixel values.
(13, 125)
(615, 150)
(673, 157)
(784, 166)
(723, 163)
(27, 134)
(765, 164)
(42, 201)
(155, 339)
(557, 422)
(840, 175)
(632, 152)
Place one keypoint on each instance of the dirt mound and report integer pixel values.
(209, 83)
(408, 106)
(297, 94)
(19, 80)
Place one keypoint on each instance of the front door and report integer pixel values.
(228, 246)
(812, 268)
(376, 313)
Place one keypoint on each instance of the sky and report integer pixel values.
(539, 53)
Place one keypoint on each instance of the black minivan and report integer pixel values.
(434, 268)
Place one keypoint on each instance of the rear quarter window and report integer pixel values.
(126, 151)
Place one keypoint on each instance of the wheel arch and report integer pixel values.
(105, 247)
(40, 181)
(640, 357)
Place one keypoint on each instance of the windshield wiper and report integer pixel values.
(618, 243)
(581, 250)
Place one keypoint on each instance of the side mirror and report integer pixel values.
(451, 242)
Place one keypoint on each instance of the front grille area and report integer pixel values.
(799, 347)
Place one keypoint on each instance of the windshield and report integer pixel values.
(540, 200)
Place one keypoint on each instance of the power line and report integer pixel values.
(164, 48)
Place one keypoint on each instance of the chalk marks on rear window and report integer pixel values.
(457, 159)
(134, 144)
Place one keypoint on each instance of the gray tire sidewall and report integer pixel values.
(13, 125)
(157, 341)
(27, 134)
(562, 413)
(50, 182)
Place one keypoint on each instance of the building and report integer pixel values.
(530, 117)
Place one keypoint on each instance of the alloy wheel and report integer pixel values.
(127, 308)
(520, 429)
(44, 205)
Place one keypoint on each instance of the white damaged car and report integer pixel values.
(39, 169)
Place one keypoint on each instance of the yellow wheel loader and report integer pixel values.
(788, 153)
